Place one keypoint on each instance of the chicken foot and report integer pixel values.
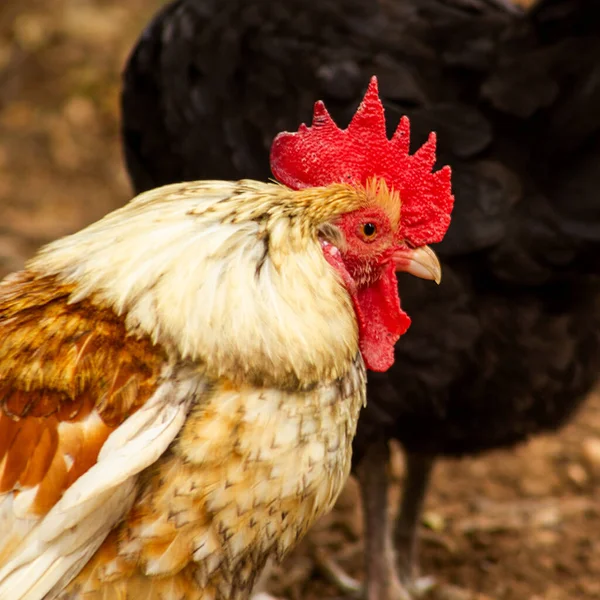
(391, 561)
(382, 581)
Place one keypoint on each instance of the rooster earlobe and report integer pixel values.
(369, 118)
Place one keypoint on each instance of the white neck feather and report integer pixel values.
(177, 266)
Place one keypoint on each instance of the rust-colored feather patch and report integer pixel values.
(69, 375)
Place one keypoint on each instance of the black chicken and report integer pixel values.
(509, 344)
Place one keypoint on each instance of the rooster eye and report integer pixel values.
(369, 230)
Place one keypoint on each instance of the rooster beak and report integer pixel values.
(420, 262)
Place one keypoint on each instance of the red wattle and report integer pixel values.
(381, 321)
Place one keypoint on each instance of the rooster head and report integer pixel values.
(405, 207)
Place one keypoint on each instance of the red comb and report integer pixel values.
(323, 154)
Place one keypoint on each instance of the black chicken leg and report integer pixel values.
(381, 575)
(391, 562)
(406, 533)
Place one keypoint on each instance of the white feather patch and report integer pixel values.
(177, 266)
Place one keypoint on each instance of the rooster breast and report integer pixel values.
(250, 472)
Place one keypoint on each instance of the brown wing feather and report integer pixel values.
(69, 375)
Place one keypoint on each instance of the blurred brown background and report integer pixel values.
(60, 157)
(521, 525)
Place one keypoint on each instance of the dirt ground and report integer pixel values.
(513, 525)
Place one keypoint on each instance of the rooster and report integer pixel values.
(180, 382)
(509, 344)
